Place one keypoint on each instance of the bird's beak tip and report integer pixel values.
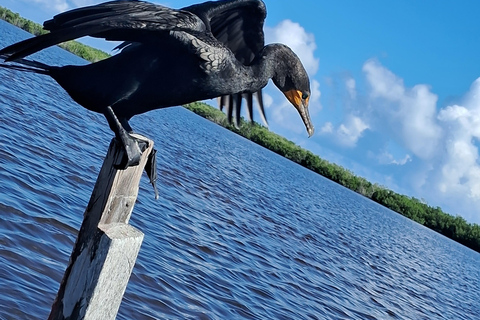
(307, 120)
(311, 131)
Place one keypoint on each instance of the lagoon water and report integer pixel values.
(237, 233)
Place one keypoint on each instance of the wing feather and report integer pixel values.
(238, 24)
(114, 20)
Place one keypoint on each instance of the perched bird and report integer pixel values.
(168, 57)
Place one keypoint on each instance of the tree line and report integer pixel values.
(86, 52)
(454, 227)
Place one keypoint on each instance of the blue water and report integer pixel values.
(237, 233)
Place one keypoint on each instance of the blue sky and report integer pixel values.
(396, 96)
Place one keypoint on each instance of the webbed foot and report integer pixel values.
(132, 148)
(132, 151)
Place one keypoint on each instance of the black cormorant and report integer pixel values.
(169, 57)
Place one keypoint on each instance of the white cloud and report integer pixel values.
(350, 84)
(285, 115)
(267, 100)
(442, 145)
(387, 158)
(446, 141)
(384, 83)
(327, 128)
(411, 112)
(314, 102)
(351, 131)
(460, 171)
(348, 133)
(294, 35)
(453, 113)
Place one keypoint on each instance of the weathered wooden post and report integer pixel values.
(107, 246)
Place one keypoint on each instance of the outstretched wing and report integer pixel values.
(236, 23)
(239, 25)
(114, 20)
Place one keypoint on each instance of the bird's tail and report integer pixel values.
(25, 65)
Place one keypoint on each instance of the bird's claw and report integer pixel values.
(132, 151)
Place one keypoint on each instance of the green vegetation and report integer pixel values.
(86, 52)
(75, 47)
(455, 228)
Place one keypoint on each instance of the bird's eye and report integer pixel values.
(304, 96)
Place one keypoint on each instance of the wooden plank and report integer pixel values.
(98, 279)
(106, 248)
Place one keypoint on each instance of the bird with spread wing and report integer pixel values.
(168, 58)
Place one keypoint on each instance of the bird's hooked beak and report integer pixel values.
(295, 98)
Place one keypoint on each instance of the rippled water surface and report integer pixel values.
(237, 233)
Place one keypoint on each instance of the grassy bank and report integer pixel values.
(454, 227)
(75, 47)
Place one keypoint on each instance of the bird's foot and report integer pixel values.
(132, 150)
(132, 153)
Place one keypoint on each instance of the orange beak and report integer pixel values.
(295, 98)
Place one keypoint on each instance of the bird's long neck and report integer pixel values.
(267, 65)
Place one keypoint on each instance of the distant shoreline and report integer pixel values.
(86, 52)
(453, 227)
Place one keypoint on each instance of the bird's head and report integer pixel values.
(292, 79)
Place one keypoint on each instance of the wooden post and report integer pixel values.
(107, 247)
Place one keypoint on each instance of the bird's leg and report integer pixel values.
(132, 152)
(133, 148)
